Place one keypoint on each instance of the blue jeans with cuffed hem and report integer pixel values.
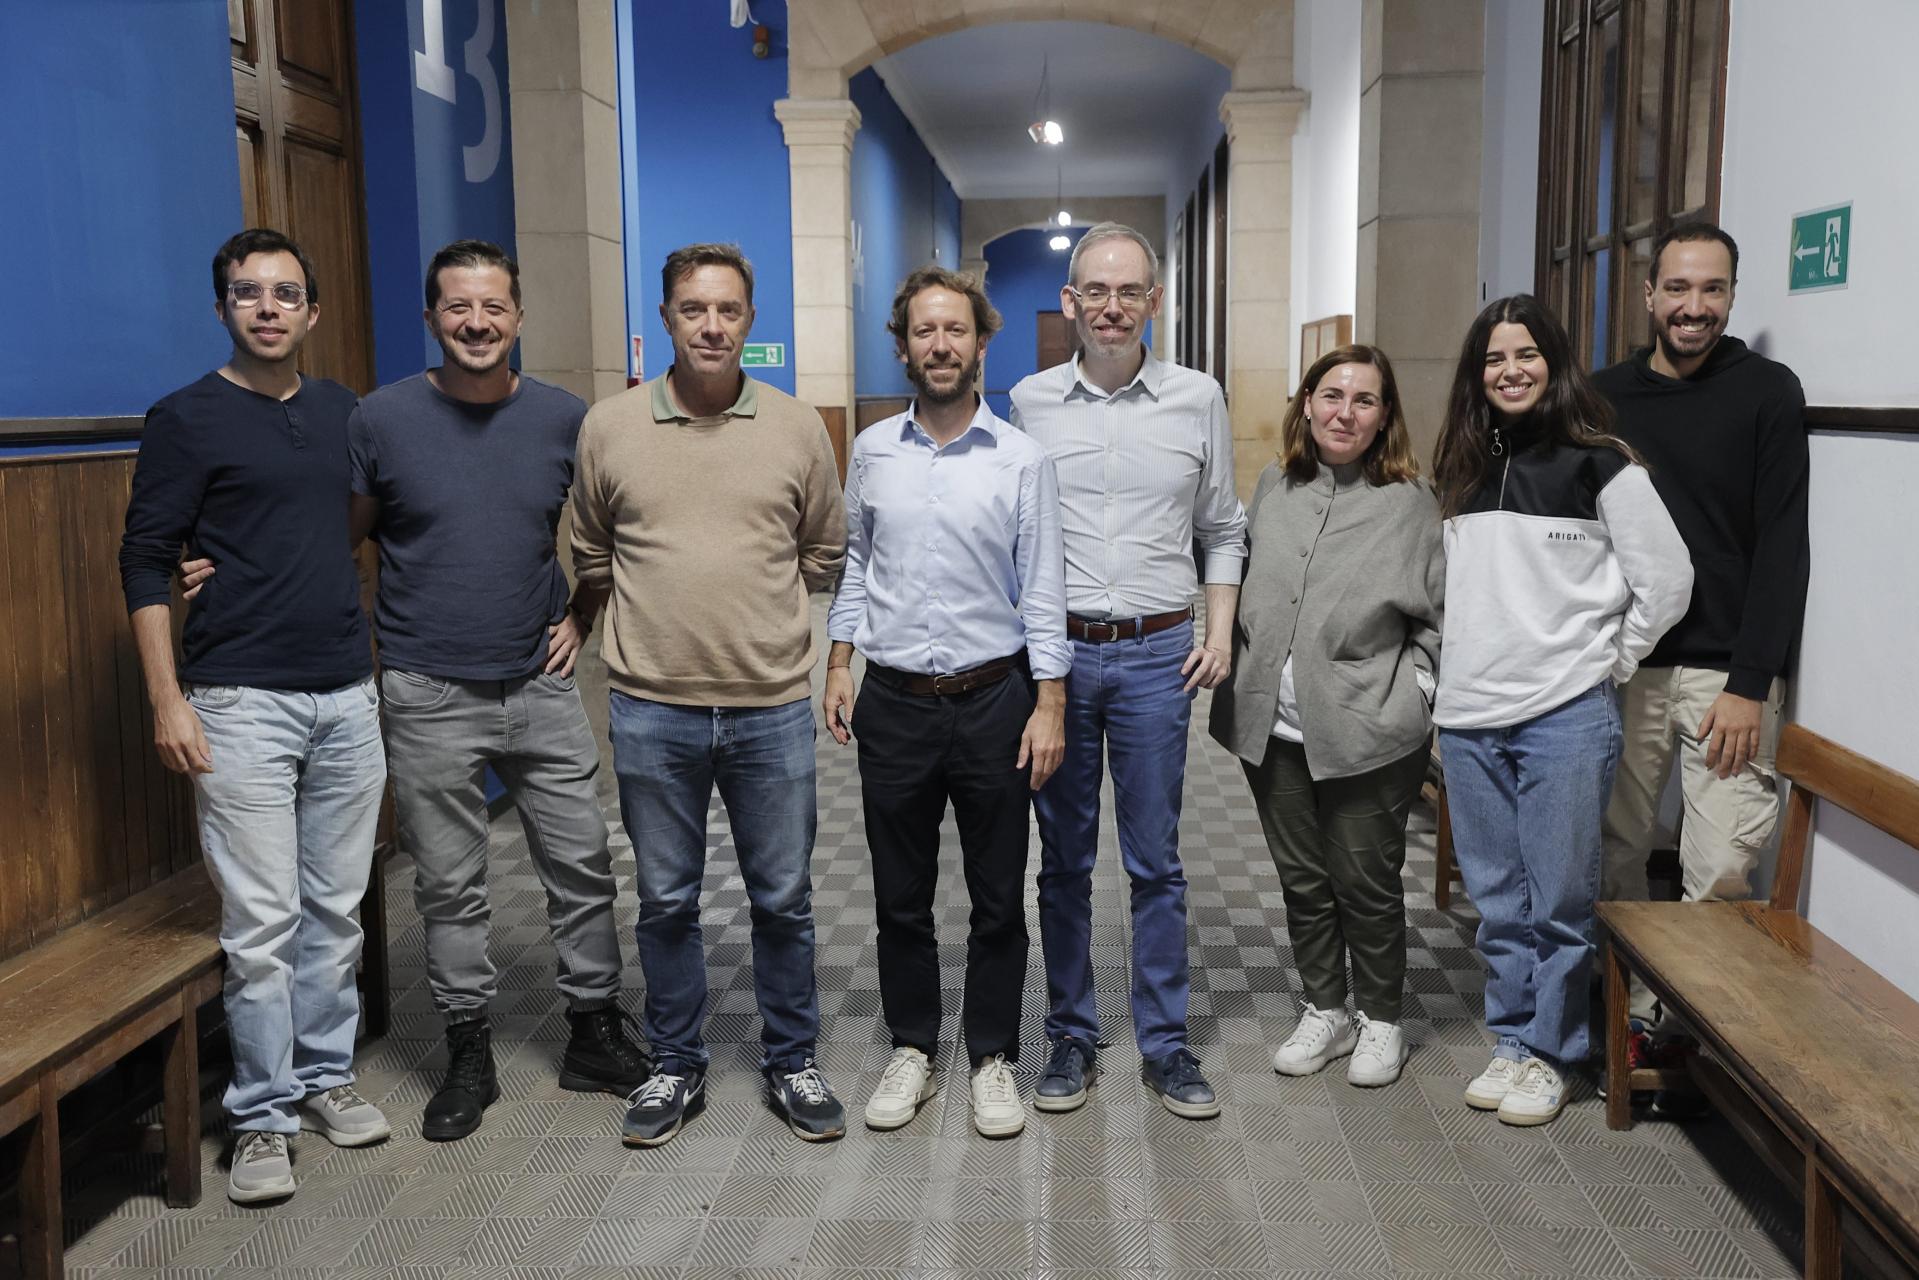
(669, 759)
(1527, 804)
(286, 827)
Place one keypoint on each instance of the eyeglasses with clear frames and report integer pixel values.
(248, 293)
(1131, 296)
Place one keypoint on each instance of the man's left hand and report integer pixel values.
(1044, 742)
(564, 641)
(1731, 733)
(1206, 667)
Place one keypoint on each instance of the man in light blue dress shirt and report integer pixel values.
(954, 591)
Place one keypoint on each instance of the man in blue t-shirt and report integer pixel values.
(460, 473)
(272, 711)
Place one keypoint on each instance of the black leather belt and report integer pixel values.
(957, 682)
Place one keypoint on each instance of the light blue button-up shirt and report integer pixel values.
(953, 554)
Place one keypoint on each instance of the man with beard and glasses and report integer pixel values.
(278, 726)
(707, 506)
(460, 473)
(1723, 431)
(1145, 457)
(954, 591)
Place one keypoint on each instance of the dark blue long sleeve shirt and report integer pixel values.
(260, 486)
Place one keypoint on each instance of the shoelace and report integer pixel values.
(1182, 1070)
(1372, 1035)
(810, 1085)
(1061, 1061)
(894, 1077)
(265, 1147)
(608, 1024)
(656, 1092)
(1315, 1026)
(344, 1097)
(996, 1081)
(466, 1048)
(1535, 1079)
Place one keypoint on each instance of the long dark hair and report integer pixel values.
(1570, 412)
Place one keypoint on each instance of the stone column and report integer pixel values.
(564, 87)
(1259, 256)
(1422, 73)
(819, 142)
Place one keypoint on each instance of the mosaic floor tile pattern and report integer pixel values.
(1297, 1177)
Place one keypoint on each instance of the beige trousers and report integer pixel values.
(1726, 823)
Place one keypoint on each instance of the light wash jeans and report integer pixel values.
(669, 759)
(1527, 803)
(287, 819)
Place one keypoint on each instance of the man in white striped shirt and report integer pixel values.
(1145, 459)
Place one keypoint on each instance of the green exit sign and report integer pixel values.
(1821, 249)
(763, 355)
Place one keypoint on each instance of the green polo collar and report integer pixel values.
(665, 410)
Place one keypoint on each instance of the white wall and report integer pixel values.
(1325, 166)
(1797, 141)
(1509, 162)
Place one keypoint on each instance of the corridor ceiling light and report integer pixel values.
(1044, 130)
(1060, 244)
(1065, 218)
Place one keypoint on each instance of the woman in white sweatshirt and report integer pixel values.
(1563, 569)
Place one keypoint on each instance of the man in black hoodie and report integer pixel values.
(1723, 430)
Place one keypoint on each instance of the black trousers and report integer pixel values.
(916, 754)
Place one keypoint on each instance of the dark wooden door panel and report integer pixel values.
(309, 40)
(322, 200)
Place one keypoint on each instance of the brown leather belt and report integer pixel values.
(1094, 631)
(945, 686)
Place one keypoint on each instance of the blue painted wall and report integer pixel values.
(905, 214)
(116, 124)
(436, 170)
(1023, 277)
(708, 163)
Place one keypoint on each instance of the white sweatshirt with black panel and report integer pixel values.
(1563, 570)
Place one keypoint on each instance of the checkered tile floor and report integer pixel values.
(1298, 1177)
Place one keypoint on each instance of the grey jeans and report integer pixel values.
(441, 734)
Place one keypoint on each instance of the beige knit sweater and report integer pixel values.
(710, 532)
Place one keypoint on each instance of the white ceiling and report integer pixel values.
(1140, 113)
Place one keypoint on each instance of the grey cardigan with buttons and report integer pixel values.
(1349, 578)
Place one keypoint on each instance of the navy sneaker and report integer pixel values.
(807, 1102)
(1181, 1088)
(1070, 1070)
(658, 1109)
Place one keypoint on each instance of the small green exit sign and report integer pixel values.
(763, 355)
(1821, 249)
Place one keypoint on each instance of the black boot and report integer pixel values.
(600, 1056)
(470, 1085)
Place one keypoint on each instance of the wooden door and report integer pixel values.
(1058, 339)
(294, 106)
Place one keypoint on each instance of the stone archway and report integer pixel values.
(829, 41)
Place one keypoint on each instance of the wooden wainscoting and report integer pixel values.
(871, 409)
(91, 815)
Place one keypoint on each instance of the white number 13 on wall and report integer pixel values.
(431, 74)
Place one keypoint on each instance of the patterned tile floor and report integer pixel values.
(1298, 1177)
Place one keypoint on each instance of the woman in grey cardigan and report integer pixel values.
(1329, 704)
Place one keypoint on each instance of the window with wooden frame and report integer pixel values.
(1632, 122)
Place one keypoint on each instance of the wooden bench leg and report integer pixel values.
(180, 1106)
(1618, 1042)
(42, 1246)
(1822, 1225)
(373, 958)
(1443, 852)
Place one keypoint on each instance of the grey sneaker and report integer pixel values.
(343, 1117)
(262, 1169)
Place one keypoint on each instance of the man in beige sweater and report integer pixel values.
(707, 505)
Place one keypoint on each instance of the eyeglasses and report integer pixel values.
(247, 293)
(1130, 296)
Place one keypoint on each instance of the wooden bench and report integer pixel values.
(1812, 1055)
(78, 1003)
(1445, 865)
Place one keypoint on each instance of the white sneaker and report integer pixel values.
(1379, 1056)
(1489, 1088)
(262, 1168)
(904, 1087)
(996, 1109)
(1321, 1036)
(1537, 1096)
(343, 1117)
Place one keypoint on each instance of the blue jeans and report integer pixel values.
(1129, 698)
(1527, 803)
(286, 827)
(669, 759)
